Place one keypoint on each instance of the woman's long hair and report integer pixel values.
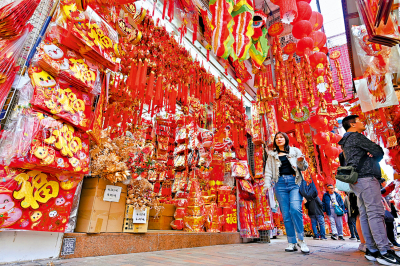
(286, 147)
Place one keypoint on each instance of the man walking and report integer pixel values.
(367, 189)
(332, 199)
(316, 215)
(352, 212)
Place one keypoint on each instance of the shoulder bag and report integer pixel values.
(349, 174)
(338, 209)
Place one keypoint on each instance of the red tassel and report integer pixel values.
(164, 8)
(184, 94)
(143, 76)
(150, 87)
(158, 90)
(154, 7)
(194, 32)
(208, 55)
(171, 10)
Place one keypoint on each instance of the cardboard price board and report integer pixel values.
(139, 217)
(112, 193)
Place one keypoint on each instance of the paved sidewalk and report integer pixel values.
(323, 253)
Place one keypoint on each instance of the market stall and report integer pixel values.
(146, 123)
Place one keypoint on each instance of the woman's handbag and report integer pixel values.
(308, 191)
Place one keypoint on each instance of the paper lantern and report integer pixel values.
(308, 1)
(335, 165)
(301, 29)
(331, 152)
(318, 122)
(316, 20)
(304, 11)
(319, 39)
(321, 138)
(318, 58)
(318, 72)
(324, 50)
(305, 44)
(336, 138)
(288, 9)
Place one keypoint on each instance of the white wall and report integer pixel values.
(29, 245)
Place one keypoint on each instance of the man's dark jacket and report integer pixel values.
(355, 146)
(314, 207)
(327, 202)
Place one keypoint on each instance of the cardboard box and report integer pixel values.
(160, 223)
(96, 215)
(93, 212)
(116, 215)
(96, 182)
(169, 210)
(129, 226)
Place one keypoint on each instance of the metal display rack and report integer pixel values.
(37, 20)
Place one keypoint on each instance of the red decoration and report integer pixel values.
(304, 11)
(321, 138)
(288, 10)
(319, 39)
(331, 152)
(316, 20)
(305, 45)
(317, 58)
(290, 48)
(301, 29)
(275, 29)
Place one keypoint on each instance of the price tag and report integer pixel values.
(139, 217)
(112, 193)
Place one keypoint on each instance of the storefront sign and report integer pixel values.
(139, 217)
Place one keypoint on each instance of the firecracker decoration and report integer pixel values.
(308, 78)
(280, 76)
(140, 195)
(335, 55)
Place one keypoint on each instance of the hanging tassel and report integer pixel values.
(171, 10)
(154, 7)
(158, 90)
(208, 55)
(164, 8)
(150, 88)
(143, 76)
(194, 32)
(137, 78)
(184, 94)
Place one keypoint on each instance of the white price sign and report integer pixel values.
(112, 193)
(139, 217)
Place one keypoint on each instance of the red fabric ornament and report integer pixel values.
(301, 29)
(316, 20)
(317, 58)
(321, 138)
(307, 1)
(195, 33)
(305, 45)
(318, 72)
(324, 50)
(304, 11)
(288, 10)
(331, 152)
(319, 39)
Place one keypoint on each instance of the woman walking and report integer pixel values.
(283, 172)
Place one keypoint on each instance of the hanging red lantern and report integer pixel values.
(288, 10)
(331, 152)
(316, 20)
(321, 138)
(335, 165)
(276, 2)
(324, 50)
(304, 11)
(305, 45)
(319, 39)
(335, 138)
(308, 1)
(318, 58)
(318, 72)
(301, 29)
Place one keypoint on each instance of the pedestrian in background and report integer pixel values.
(316, 214)
(350, 202)
(330, 200)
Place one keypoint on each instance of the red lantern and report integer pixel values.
(318, 72)
(288, 9)
(308, 1)
(305, 44)
(336, 138)
(301, 29)
(316, 20)
(319, 39)
(324, 50)
(303, 11)
(317, 58)
(331, 152)
(321, 138)
(335, 165)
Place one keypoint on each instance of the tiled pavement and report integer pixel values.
(323, 253)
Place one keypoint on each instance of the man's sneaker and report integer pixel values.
(352, 238)
(341, 238)
(362, 247)
(291, 247)
(372, 256)
(334, 237)
(303, 246)
(324, 238)
(394, 254)
(387, 259)
(358, 240)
